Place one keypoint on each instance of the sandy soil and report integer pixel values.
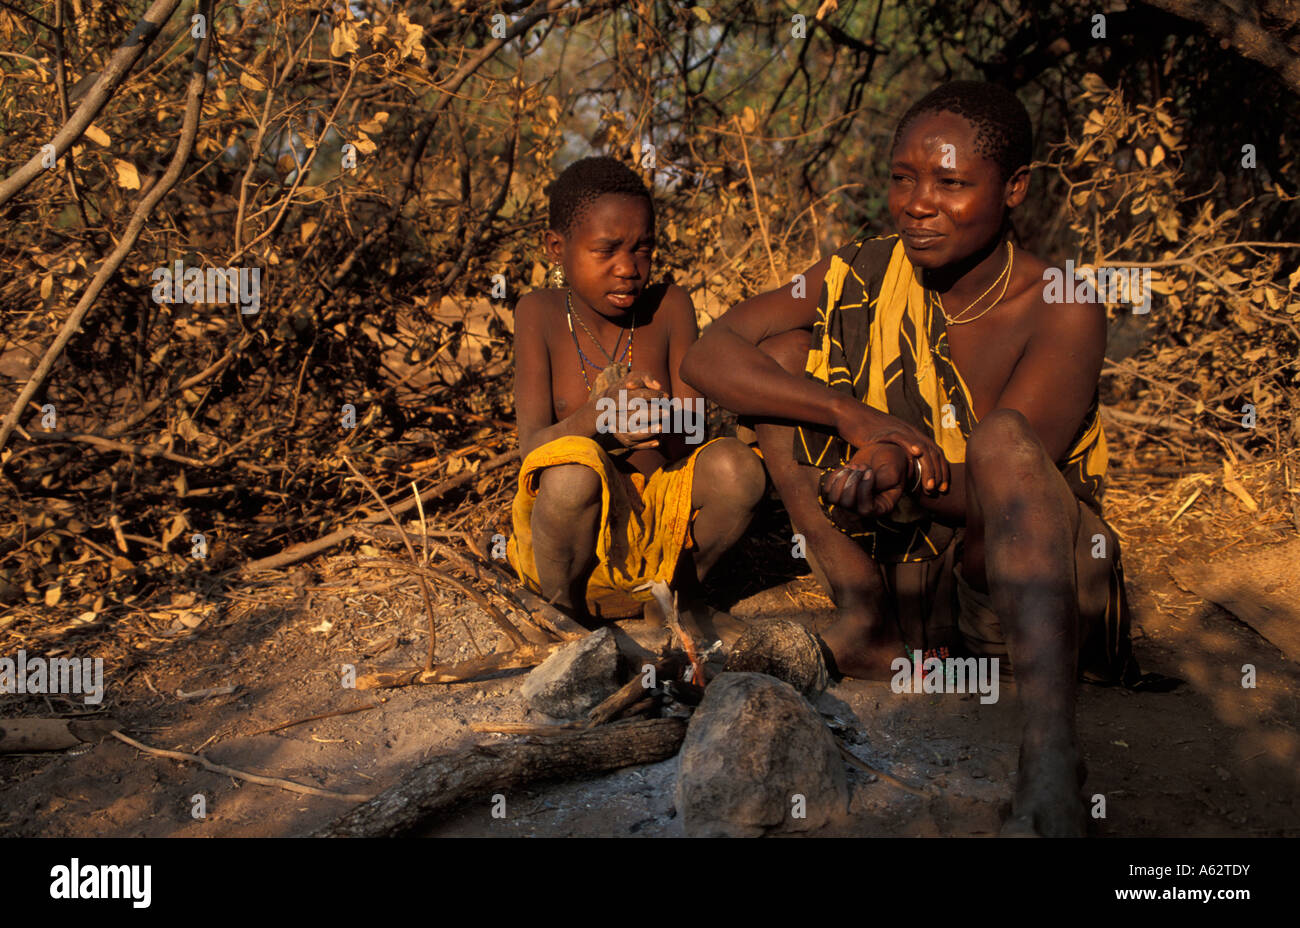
(1210, 758)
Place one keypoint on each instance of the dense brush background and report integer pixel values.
(768, 150)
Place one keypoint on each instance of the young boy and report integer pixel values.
(947, 470)
(612, 495)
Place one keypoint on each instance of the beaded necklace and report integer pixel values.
(627, 351)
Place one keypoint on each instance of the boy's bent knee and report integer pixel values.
(569, 445)
(569, 487)
(729, 467)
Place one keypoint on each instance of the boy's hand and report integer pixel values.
(634, 385)
(871, 482)
(864, 427)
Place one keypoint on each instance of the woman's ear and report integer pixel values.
(1017, 187)
(553, 242)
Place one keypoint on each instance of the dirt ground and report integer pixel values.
(1209, 758)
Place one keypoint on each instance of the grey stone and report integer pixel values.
(785, 650)
(575, 678)
(753, 747)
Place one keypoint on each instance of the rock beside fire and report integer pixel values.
(758, 760)
(575, 678)
(785, 650)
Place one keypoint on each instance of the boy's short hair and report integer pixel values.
(583, 182)
(1003, 132)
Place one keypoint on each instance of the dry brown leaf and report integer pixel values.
(126, 174)
(412, 41)
(1237, 490)
(343, 40)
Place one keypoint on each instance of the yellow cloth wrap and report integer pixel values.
(640, 537)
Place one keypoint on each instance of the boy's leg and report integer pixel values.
(565, 520)
(1022, 523)
(864, 638)
(727, 485)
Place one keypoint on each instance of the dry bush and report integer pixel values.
(769, 149)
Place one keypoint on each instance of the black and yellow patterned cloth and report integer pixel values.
(881, 337)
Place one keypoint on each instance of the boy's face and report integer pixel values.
(946, 200)
(606, 254)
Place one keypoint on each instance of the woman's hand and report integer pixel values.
(863, 427)
(872, 482)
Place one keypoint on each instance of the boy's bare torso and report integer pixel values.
(650, 354)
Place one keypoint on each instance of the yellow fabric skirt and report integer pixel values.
(644, 523)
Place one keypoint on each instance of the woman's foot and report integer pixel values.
(862, 645)
(1047, 803)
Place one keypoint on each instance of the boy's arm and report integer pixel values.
(683, 332)
(534, 408)
(727, 365)
(1052, 386)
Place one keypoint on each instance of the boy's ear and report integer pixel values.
(1017, 187)
(553, 242)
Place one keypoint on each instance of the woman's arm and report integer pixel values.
(727, 365)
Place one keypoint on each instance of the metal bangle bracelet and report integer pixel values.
(917, 462)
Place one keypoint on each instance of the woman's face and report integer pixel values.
(947, 201)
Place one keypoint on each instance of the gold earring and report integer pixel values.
(556, 276)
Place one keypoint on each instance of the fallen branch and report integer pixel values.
(424, 584)
(462, 671)
(631, 693)
(239, 774)
(21, 736)
(216, 367)
(300, 552)
(495, 614)
(639, 708)
(108, 444)
(885, 777)
(525, 728)
(507, 586)
(211, 691)
(315, 718)
(1172, 425)
(446, 782)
